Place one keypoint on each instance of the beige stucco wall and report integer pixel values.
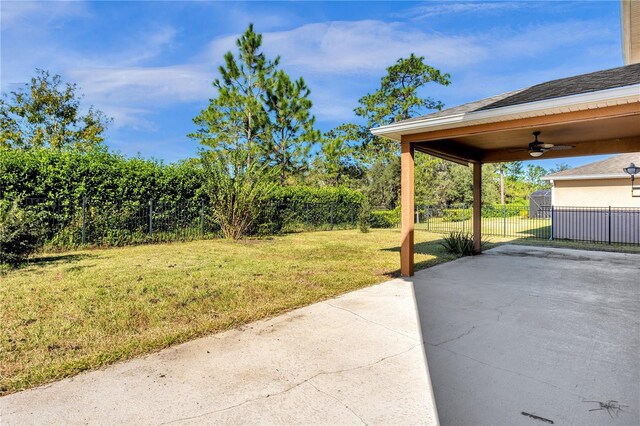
(595, 193)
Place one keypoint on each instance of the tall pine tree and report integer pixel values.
(236, 119)
(291, 125)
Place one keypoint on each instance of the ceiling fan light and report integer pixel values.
(536, 153)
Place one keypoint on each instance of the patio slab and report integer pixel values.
(528, 335)
(350, 360)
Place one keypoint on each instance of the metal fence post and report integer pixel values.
(331, 216)
(553, 217)
(504, 220)
(609, 224)
(84, 219)
(151, 218)
(202, 217)
(464, 215)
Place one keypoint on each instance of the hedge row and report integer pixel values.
(106, 199)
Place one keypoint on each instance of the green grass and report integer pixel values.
(68, 312)
(494, 226)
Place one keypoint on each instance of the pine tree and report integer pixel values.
(236, 119)
(291, 125)
(398, 98)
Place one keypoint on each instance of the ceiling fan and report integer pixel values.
(537, 147)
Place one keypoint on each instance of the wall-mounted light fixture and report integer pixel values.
(633, 170)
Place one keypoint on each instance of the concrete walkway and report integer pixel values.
(529, 335)
(351, 360)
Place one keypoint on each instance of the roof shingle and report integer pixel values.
(592, 82)
(607, 167)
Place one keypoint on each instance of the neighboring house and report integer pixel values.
(596, 202)
(599, 184)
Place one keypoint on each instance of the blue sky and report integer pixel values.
(149, 64)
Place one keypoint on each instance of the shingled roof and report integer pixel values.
(607, 168)
(580, 84)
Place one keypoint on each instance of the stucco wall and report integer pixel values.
(595, 193)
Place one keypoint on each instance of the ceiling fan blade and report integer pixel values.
(561, 147)
(545, 145)
(519, 149)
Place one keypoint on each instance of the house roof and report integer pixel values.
(605, 169)
(615, 91)
(627, 75)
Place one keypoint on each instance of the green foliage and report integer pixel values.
(365, 217)
(459, 243)
(290, 125)
(300, 208)
(385, 218)
(46, 113)
(456, 215)
(238, 189)
(20, 233)
(260, 110)
(339, 160)
(398, 98)
(100, 176)
(237, 119)
(383, 183)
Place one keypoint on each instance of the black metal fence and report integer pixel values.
(117, 223)
(611, 225)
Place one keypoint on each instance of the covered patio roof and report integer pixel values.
(590, 112)
(594, 113)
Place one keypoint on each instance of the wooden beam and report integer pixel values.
(450, 150)
(477, 207)
(525, 123)
(407, 209)
(610, 146)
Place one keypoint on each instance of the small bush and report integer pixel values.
(524, 214)
(456, 215)
(460, 243)
(20, 233)
(385, 218)
(364, 217)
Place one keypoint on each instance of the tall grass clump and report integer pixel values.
(459, 243)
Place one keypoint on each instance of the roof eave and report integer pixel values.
(587, 177)
(591, 100)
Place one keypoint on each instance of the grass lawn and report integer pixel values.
(69, 312)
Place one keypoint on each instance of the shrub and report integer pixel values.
(456, 215)
(459, 243)
(385, 218)
(298, 208)
(364, 217)
(238, 190)
(20, 233)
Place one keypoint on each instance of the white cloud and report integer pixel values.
(450, 8)
(42, 13)
(357, 47)
(144, 85)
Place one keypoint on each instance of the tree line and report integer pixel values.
(259, 131)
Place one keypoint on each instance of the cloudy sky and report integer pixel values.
(149, 64)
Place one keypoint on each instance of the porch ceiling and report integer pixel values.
(610, 130)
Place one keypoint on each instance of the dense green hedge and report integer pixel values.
(117, 193)
(300, 208)
(385, 218)
(99, 175)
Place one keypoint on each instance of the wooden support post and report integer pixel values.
(477, 207)
(407, 209)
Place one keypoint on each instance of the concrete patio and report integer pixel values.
(525, 335)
